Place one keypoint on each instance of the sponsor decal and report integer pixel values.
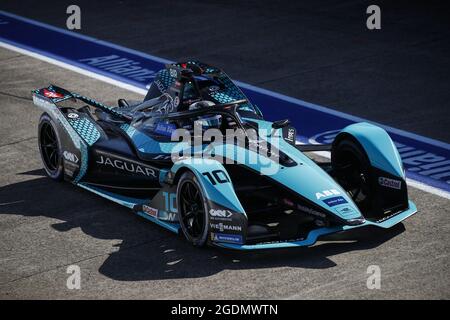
(327, 193)
(159, 85)
(331, 202)
(52, 94)
(165, 129)
(173, 73)
(127, 166)
(69, 156)
(346, 211)
(311, 211)
(122, 66)
(150, 211)
(70, 163)
(225, 227)
(162, 157)
(72, 115)
(169, 216)
(233, 238)
(218, 214)
(390, 183)
(291, 134)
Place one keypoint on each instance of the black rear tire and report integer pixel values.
(50, 148)
(192, 210)
(352, 170)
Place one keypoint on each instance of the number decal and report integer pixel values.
(169, 201)
(216, 176)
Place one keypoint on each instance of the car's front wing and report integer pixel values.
(316, 233)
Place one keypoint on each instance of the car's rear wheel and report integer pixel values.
(50, 148)
(351, 168)
(192, 210)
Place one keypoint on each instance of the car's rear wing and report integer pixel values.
(54, 94)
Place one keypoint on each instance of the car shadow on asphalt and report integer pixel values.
(148, 252)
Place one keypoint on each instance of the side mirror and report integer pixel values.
(281, 124)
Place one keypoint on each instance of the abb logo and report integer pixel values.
(327, 193)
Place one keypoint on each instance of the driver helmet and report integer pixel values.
(207, 121)
(210, 121)
(201, 104)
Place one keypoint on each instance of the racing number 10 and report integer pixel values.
(216, 176)
(170, 200)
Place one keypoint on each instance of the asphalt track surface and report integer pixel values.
(399, 78)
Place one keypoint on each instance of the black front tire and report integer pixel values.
(352, 170)
(192, 210)
(50, 148)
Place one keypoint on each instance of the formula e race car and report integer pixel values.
(170, 159)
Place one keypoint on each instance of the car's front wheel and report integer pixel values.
(192, 210)
(351, 168)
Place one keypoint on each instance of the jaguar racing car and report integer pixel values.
(258, 190)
